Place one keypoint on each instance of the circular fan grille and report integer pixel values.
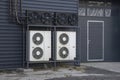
(37, 38)
(72, 19)
(33, 17)
(37, 53)
(46, 18)
(61, 19)
(63, 38)
(63, 52)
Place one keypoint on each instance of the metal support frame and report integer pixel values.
(54, 61)
(53, 28)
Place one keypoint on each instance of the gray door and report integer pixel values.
(95, 40)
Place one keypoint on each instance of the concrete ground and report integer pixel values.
(110, 66)
(45, 74)
(87, 71)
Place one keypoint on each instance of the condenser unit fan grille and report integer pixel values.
(66, 19)
(63, 38)
(63, 52)
(52, 18)
(37, 53)
(46, 18)
(33, 17)
(61, 19)
(40, 18)
(72, 19)
(37, 38)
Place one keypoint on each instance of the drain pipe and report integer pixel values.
(23, 34)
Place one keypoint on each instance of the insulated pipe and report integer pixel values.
(10, 7)
(16, 12)
(20, 8)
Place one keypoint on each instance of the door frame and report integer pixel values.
(88, 21)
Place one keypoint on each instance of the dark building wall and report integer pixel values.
(51, 5)
(116, 31)
(10, 39)
(111, 35)
(108, 49)
(11, 55)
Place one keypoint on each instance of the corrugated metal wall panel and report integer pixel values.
(11, 34)
(10, 39)
(51, 5)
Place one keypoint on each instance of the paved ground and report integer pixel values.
(110, 66)
(89, 78)
(85, 72)
(108, 71)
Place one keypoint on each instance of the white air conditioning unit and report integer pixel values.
(66, 45)
(39, 45)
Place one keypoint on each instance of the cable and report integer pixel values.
(15, 7)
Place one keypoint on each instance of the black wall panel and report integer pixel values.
(116, 32)
(11, 55)
(108, 38)
(10, 39)
(51, 5)
(111, 35)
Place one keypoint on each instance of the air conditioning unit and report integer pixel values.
(39, 45)
(66, 19)
(40, 17)
(66, 45)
